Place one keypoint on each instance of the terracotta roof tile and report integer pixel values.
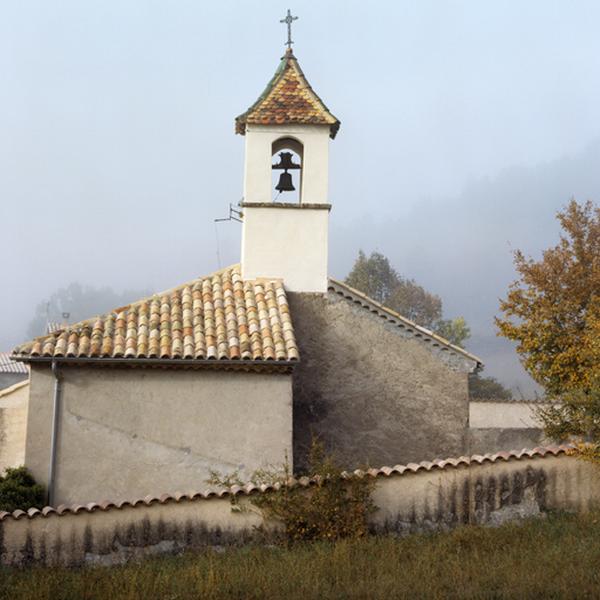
(288, 99)
(218, 317)
(249, 489)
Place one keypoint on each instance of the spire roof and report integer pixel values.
(288, 98)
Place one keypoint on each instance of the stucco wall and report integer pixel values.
(373, 393)
(258, 160)
(494, 439)
(273, 239)
(509, 415)
(439, 498)
(130, 432)
(13, 425)
(487, 493)
(499, 426)
(9, 379)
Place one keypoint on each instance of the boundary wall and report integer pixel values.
(442, 494)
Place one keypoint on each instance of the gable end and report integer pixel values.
(454, 356)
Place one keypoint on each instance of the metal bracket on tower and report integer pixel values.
(234, 215)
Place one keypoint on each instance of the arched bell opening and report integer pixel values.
(287, 155)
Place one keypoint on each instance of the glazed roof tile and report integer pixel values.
(250, 489)
(288, 99)
(219, 317)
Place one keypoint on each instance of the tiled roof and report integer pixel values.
(218, 318)
(287, 99)
(422, 333)
(7, 365)
(250, 489)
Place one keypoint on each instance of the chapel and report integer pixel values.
(238, 369)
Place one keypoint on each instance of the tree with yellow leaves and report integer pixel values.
(553, 313)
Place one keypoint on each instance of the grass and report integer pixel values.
(557, 557)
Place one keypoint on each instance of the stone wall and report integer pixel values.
(420, 497)
(13, 424)
(126, 432)
(372, 392)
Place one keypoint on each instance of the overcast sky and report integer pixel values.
(465, 127)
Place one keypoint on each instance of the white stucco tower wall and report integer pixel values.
(314, 140)
(287, 240)
(279, 239)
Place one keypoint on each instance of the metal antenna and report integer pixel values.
(288, 21)
(234, 215)
(218, 249)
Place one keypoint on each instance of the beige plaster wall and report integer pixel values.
(513, 415)
(497, 426)
(127, 433)
(13, 424)
(489, 494)
(117, 535)
(274, 238)
(258, 161)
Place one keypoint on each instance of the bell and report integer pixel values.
(286, 162)
(285, 183)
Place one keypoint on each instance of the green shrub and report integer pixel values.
(333, 508)
(18, 490)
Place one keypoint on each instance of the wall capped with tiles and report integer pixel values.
(487, 490)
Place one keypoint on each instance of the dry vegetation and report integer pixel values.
(557, 557)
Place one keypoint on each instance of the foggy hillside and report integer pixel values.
(465, 127)
(458, 247)
(461, 247)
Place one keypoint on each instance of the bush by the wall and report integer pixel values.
(333, 508)
(18, 490)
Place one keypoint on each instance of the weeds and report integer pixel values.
(556, 557)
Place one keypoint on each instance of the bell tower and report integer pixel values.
(285, 206)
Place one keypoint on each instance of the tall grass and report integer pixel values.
(558, 557)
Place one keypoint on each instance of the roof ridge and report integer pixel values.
(118, 309)
(249, 489)
(294, 62)
(353, 291)
(219, 317)
(176, 288)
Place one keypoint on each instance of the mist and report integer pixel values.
(465, 127)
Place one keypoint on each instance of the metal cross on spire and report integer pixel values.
(288, 20)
